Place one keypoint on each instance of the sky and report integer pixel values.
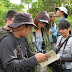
(19, 1)
(15, 1)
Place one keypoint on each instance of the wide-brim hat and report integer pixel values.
(22, 18)
(62, 9)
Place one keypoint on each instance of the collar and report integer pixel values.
(61, 19)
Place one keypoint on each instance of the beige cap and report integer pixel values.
(51, 14)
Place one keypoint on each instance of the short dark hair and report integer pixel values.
(64, 24)
(11, 13)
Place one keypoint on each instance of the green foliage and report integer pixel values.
(2, 16)
(56, 18)
(26, 1)
(5, 5)
(36, 8)
(70, 20)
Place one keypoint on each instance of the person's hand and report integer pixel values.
(41, 57)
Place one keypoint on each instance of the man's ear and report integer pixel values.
(7, 19)
(69, 28)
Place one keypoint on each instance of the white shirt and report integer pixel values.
(65, 52)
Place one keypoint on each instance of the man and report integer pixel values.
(20, 60)
(9, 19)
(61, 12)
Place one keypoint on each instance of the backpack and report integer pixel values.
(17, 46)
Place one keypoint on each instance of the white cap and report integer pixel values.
(63, 9)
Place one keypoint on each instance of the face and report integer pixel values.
(59, 12)
(41, 24)
(52, 18)
(26, 31)
(64, 32)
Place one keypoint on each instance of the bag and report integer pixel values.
(17, 48)
(57, 66)
(54, 39)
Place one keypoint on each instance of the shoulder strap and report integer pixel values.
(63, 43)
(42, 32)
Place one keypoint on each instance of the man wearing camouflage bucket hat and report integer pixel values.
(15, 55)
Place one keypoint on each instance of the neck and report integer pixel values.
(51, 24)
(61, 16)
(17, 34)
(6, 27)
(38, 30)
(66, 35)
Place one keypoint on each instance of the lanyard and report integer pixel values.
(60, 45)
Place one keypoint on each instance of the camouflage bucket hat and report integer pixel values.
(22, 18)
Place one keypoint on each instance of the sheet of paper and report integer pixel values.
(53, 58)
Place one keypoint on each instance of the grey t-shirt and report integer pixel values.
(8, 55)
